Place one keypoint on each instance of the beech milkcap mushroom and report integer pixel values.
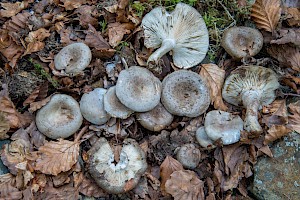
(223, 125)
(73, 58)
(203, 139)
(183, 31)
(241, 42)
(138, 89)
(92, 106)
(114, 177)
(253, 87)
(189, 156)
(60, 117)
(184, 93)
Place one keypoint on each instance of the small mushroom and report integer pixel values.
(241, 41)
(185, 94)
(253, 87)
(156, 119)
(203, 138)
(138, 89)
(73, 58)
(182, 31)
(189, 156)
(223, 125)
(92, 107)
(60, 117)
(113, 106)
(114, 177)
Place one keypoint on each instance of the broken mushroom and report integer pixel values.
(60, 117)
(156, 119)
(223, 125)
(92, 107)
(203, 138)
(189, 156)
(73, 58)
(120, 177)
(253, 87)
(241, 42)
(182, 31)
(185, 94)
(138, 89)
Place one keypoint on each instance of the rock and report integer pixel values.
(279, 177)
(3, 168)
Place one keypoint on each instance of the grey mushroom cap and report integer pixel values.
(156, 119)
(60, 117)
(241, 41)
(253, 87)
(223, 125)
(92, 106)
(113, 177)
(113, 106)
(185, 94)
(73, 58)
(138, 89)
(189, 156)
(203, 139)
(182, 31)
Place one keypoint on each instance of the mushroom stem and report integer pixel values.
(166, 46)
(251, 102)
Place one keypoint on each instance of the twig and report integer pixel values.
(228, 13)
(80, 134)
(291, 94)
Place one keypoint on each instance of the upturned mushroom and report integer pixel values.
(60, 117)
(253, 87)
(184, 93)
(241, 42)
(114, 177)
(92, 106)
(138, 89)
(182, 31)
(156, 119)
(223, 125)
(73, 58)
(189, 156)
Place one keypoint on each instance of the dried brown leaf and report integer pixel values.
(214, 77)
(89, 188)
(288, 36)
(72, 4)
(293, 17)
(278, 113)
(294, 118)
(11, 9)
(8, 189)
(4, 127)
(38, 94)
(276, 132)
(88, 16)
(37, 105)
(116, 32)
(266, 14)
(57, 156)
(17, 24)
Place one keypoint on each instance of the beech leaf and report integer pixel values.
(294, 118)
(276, 132)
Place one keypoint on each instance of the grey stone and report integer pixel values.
(279, 177)
(3, 168)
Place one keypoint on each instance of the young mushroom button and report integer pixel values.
(185, 94)
(189, 156)
(182, 31)
(252, 87)
(60, 117)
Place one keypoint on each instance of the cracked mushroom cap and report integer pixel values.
(60, 117)
(113, 106)
(138, 89)
(241, 41)
(156, 119)
(253, 87)
(189, 156)
(223, 125)
(203, 138)
(92, 107)
(185, 94)
(73, 58)
(182, 31)
(114, 177)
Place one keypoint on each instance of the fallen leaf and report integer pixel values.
(89, 188)
(214, 77)
(39, 93)
(72, 4)
(38, 35)
(266, 14)
(11, 9)
(4, 127)
(278, 114)
(116, 32)
(34, 106)
(288, 36)
(142, 188)
(88, 16)
(294, 118)
(8, 190)
(293, 16)
(275, 132)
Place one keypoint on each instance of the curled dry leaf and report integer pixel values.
(185, 184)
(8, 189)
(72, 4)
(55, 157)
(276, 132)
(294, 118)
(34, 106)
(4, 127)
(278, 114)
(214, 77)
(88, 16)
(39, 93)
(288, 36)
(11, 9)
(34, 40)
(266, 14)
(116, 32)
(293, 16)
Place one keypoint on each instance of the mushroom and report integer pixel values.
(156, 119)
(92, 106)
(73, 58)
(253, 87)
(189, 156)
(203, 138)
(223, 125)
(241, 41)
(182, 31)
(114, 177)
(60, 117)
(113, 106)
(138, 89)
(184, 93)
